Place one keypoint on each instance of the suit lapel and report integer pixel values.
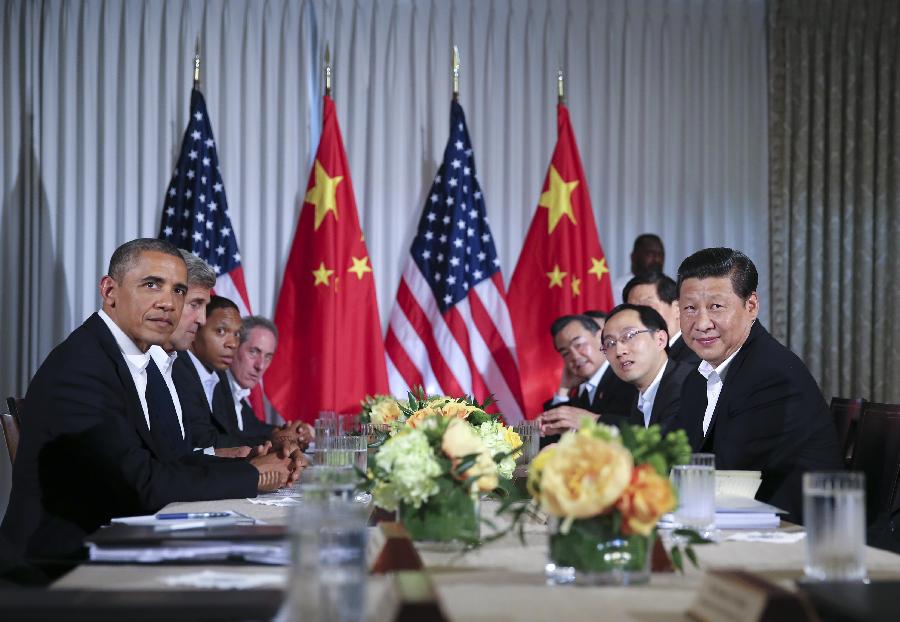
(733, 371)
(223, 404)
(662, 393)
(602, 387)
(135, 412)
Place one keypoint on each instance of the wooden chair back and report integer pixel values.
(845, 413)
(877, 454)
(11, 433)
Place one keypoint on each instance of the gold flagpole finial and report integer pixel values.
(560, 87)
(327, 71)
(197, 63)
(455, 67)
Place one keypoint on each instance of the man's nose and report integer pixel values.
(703, 321)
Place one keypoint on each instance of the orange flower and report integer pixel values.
(646, 499)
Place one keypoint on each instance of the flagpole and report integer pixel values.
(327, 71)
(560, 87)
(197, 63)
(455, 68)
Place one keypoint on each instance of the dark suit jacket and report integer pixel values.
(770, 417)
(668, 398)
(86, 454)
(681, 353)
(255, 432)
(206, 429)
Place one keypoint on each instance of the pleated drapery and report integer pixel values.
(667, 98)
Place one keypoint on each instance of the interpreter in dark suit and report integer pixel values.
(588, 386)
(214, 349)
(99, 441)
(752, 402)
(635, 341)
(655, 289)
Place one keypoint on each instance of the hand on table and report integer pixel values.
(561, 419)
(232, 452)
(278, 469)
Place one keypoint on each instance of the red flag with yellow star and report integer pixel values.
(561, 270)
(330, 351)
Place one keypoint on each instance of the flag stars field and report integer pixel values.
(322, 195)
(598, 267)
(556, 276)
(558, 199)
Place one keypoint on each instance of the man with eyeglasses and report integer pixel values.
(635, 341)
(588, 386)
(752, 401)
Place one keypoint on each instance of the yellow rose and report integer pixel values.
(416, 418)
(646, 499)
(584, 477)
(384, 412)
(512, 437)
(454, 409)
(460, 440)
(536, 468)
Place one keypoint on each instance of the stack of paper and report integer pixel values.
(738, 513)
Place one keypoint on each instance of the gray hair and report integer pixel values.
(257, 321)
(124, 257)
(200, 274)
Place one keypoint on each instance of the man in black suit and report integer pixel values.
(92, 446)
(635, 341)
(655, 289)
(752, 401)
(588, 386)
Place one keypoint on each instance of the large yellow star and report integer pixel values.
(322, 195)
(322, 275)
(556, 277)
(576, 286)
(598, 267)
(558, 199)
(360, 267)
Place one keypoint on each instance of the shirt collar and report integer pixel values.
(674, 338)
(163, 360)
(707, 369)
(591, 383)
(654, 386)
(239, 392)
(206, 377)
(133, 355)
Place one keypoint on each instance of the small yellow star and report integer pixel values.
(556, 277)
(598, 267)
(322, 274)
(359, 267)
(576, 286)
(558, 199)
(322, 195)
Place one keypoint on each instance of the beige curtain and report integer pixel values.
(834, 179)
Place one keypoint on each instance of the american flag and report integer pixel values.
(450, 330)
(195, 213)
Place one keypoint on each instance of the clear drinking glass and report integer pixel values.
(529, 432)
(695, 484)
(834, 513)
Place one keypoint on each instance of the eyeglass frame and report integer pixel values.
(628, 336)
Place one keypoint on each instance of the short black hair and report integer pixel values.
(220, 302)
(123, 258)
(718, 262)
(595, 314)
(666, 289)
(561, 322)
(649, 317)
(643, 238)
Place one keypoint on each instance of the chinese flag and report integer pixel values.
(561, 270)
(330, 351)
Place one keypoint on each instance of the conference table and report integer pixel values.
(502, 580)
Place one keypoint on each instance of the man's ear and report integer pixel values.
(108, 291)
(662, 339)
(752, 305)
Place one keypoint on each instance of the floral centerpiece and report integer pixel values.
(607, 489)
(442, 455)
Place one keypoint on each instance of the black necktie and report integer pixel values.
(246, 412)
(164, 426)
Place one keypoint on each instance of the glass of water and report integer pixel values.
(695, 484)
(529, 432)
(834, 513)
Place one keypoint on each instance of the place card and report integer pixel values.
(410, 597)
(390, 549)
(741, 596)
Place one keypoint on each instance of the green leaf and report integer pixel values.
(692, 555)
(677, 560)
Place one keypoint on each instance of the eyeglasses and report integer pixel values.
(609, 343)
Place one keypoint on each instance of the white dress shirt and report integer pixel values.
(209, 379)
(589, 385)
(239, 393)
(646, 399)
(164, 362)
(715, 377)
(136, 360)
(674, 339)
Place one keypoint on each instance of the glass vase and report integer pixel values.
(445, 521)
(593, 552)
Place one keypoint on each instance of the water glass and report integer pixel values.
(328, 573)
(530, 433)
(695, 484)
(834, 513)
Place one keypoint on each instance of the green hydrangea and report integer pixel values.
(494, 437)
(408, 470)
